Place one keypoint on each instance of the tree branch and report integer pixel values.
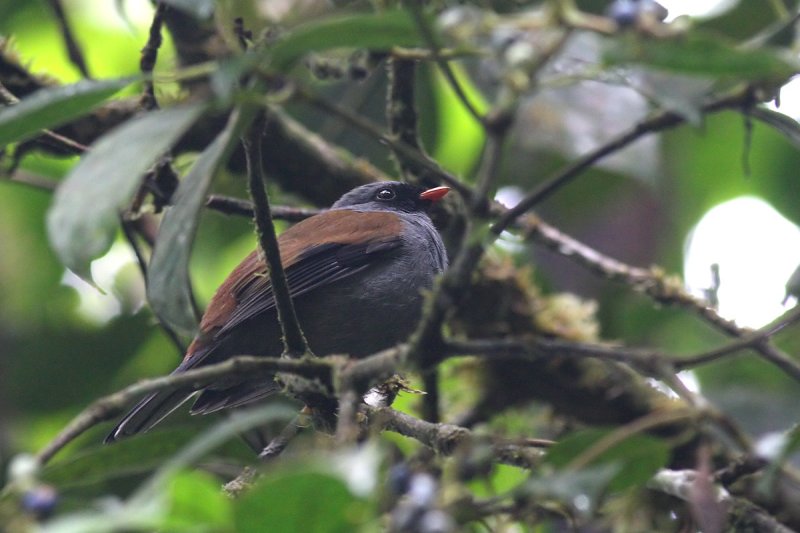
(660, 121)
(149, 56)
(445, 439)
(400, 148)
(241, 207)
(111, 406)
(73, 49)
(294, 341)
(401, 117)
(428, 35)
(658, 286)
(741, 514)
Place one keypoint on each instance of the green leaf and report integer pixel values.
(201, 9)
(236, 423)
(637, 457)
(787, 126)
(168, 283)
(196, 503)
(375, 31)
(311, 502)
(581, 489)
(83, 218)
(54, 106)
(127, 457)
(458, 153)
(701, 54)
(787, 444)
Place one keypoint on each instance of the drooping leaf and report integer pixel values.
(581, 489)
(782, 448)
(83, 217)
(189, 501)
(637, 457)
(169, 286)
(201, 9)
(678, 93)
(53, 106)
(196, 503)
(701, 54)
(106, 519)
(233, 426)
(312, 502)
(787, 126)
(375, 31)
(458, 153)
(127, 457)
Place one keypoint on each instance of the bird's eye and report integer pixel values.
(385, 194)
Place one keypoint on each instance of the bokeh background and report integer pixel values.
(722, 191)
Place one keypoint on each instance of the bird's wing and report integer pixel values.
(347, 242)
(320, 266)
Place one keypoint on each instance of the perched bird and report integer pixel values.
(356, 274)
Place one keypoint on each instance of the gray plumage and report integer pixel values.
(356, 273)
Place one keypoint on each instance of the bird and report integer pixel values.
(356, 272)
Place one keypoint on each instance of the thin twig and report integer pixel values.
(377, 133)
(110, 406)
(73, 49)
(33, 181)
(249, 475)
(347, 416)
(431, 41)
(241, 483)
(60, 141)
(445, 439)
(663, 289)
(621, 433)
(755, 340)
(149, 57)
(242, 207)
(647, 361)
(401, 112)
(294, 341)
(741, 513)
(361, 374)
(489, 167)
(660, 121)
(282, 440)
(777, 357)
(423, 54)
(430, 402)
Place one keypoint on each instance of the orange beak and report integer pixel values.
(435, 194)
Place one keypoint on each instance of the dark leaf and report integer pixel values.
(196, 503)
(637, 457)
(51, 107)
(702, 55)
(580, 489)
(237, 422)
(312, 502)
(787, 126)
(168, 283)
(787, 445)
(379, 31)
(127, 457)
(83, 218)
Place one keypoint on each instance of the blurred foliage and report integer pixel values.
(638, 206)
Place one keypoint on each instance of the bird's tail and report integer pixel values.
(151, 410)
